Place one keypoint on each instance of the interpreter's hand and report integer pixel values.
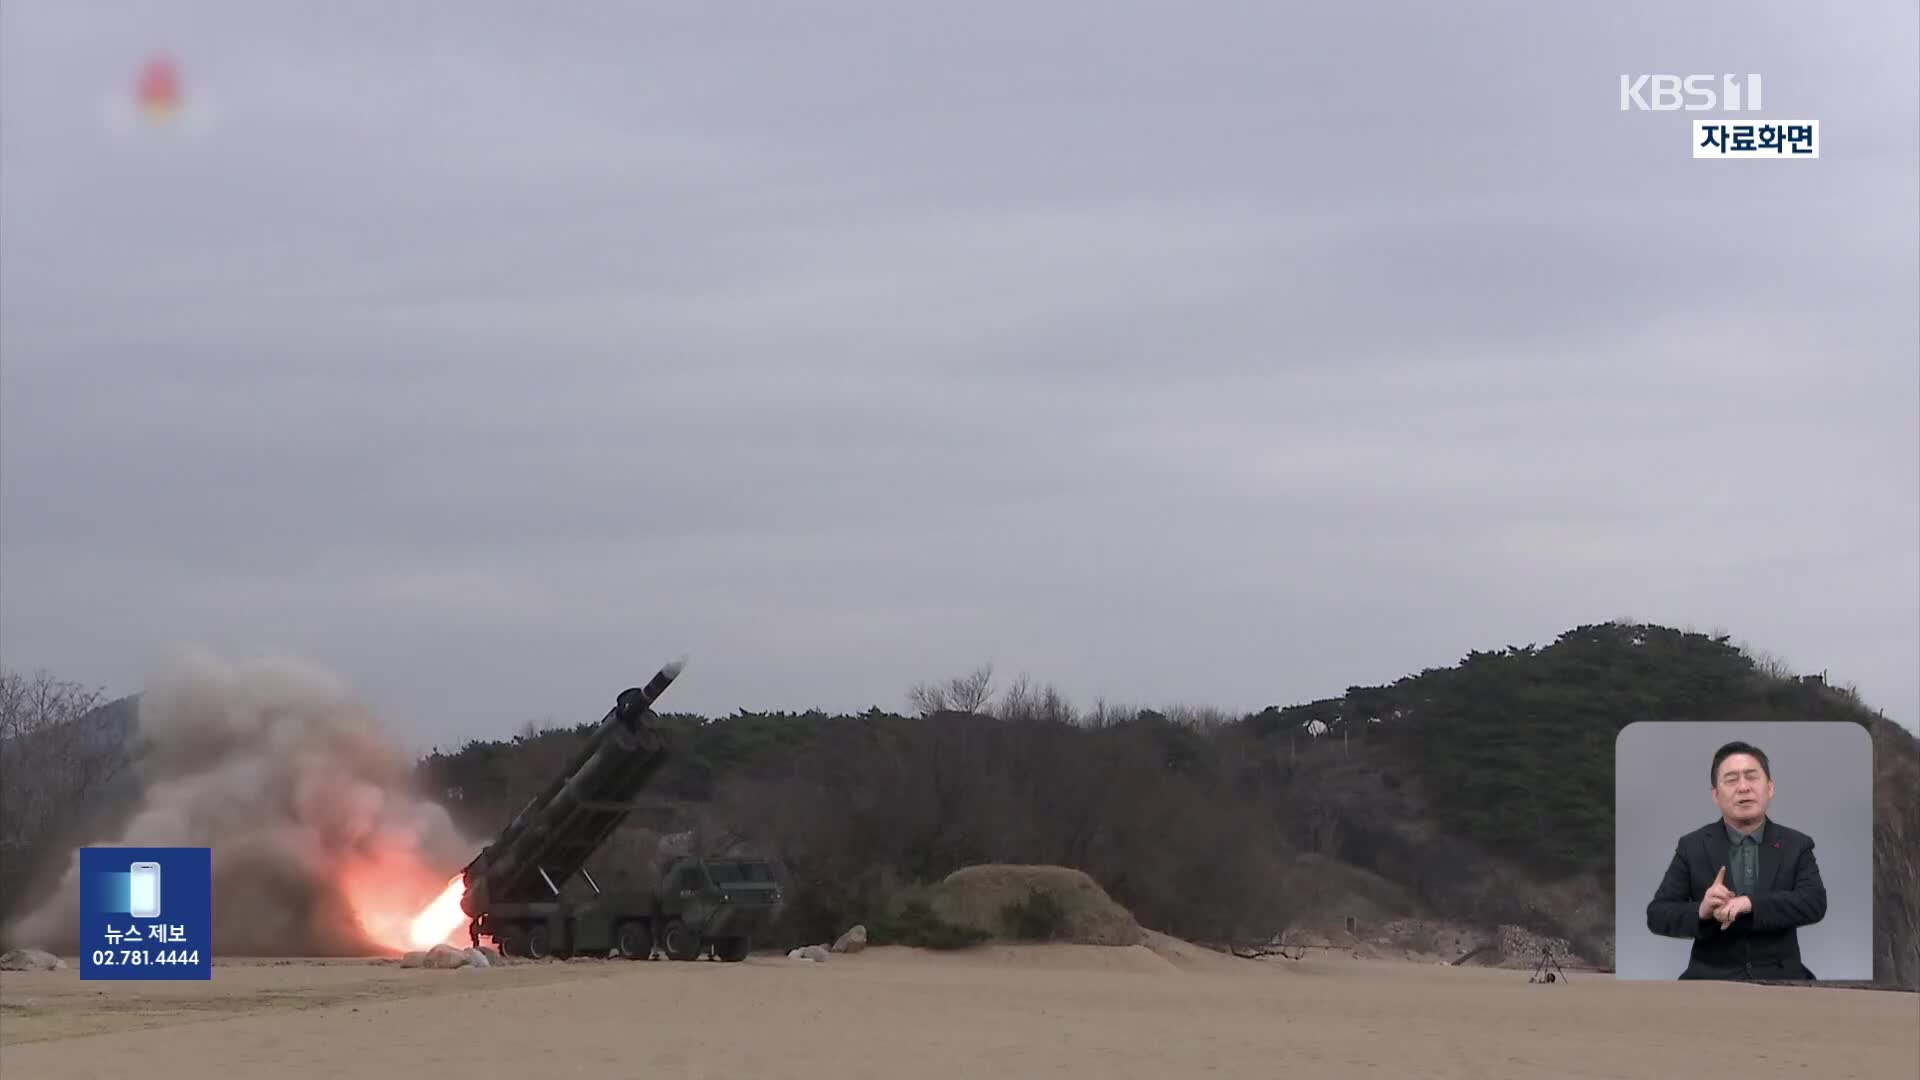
(1732, 910)
(1717, 895)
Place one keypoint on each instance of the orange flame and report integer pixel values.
(384, 895)
(442, 918)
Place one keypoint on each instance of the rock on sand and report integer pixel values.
(31, 960)
(445, 957)
(448, 958)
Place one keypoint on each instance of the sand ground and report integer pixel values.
(998, 1012)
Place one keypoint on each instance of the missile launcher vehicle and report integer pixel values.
(701, 905)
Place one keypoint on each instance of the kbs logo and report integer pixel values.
(1692, 93)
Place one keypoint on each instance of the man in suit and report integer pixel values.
(1741, 887)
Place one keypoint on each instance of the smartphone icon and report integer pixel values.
(144, 891)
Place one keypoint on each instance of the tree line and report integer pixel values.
(1464, 787)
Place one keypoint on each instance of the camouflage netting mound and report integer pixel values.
(1049, 903)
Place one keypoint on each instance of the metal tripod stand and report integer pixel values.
(1540, 972)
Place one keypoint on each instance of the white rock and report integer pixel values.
(443, 957)
(31, 960)
(414, 960)
(477, 959)
(852, 941)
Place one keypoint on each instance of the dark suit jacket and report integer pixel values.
(1762, 944)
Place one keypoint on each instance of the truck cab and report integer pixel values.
(718, 903)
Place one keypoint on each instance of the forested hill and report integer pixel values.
(1515, 749)
(1440, 792)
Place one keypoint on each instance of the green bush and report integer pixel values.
(1040, 917)
(917, 925)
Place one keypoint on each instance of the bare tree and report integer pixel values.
(1023, 702)
(1019, 701)
(45, 755)
(928, 698)
(51, 767)
(35, 703)
(971, 693)
(1055, 708)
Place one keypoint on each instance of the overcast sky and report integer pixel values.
(1224, 354)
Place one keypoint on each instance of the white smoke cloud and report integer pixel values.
(321, 846)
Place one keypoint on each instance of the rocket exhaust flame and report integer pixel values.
(442, 919)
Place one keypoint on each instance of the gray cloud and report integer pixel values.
(1221, 354)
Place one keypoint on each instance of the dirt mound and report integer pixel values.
(1051, 903)
(1187, 956)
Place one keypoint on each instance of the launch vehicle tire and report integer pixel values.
(732, 950)
(537, 943)
(636, 941)
(512, 941)
(680, 941)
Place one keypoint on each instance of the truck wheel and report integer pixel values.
(732, 950)
(537, 943)
(680, 941)
(636, 941)
(512, 941)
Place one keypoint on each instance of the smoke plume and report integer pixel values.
(321, 846)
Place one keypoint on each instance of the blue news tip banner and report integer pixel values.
(146, 913)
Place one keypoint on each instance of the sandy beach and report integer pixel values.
(1001, 1011)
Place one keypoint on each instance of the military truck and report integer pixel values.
(716, 904)
(514, 887)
